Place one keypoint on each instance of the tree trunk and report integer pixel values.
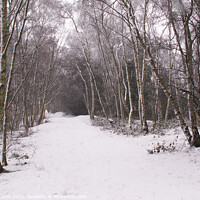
(157, 113)
(99, 95)
(93, 79)
(198, 69)
(25, 99)
(130, 118)
(34, 106)
(105, 65)
(1, 168)
(140, 68)
(47, 84)
(42, 111)
(3, 62)
(93, 97)
(143, 75)
(86, 96)
(170, 73)
(117, 69)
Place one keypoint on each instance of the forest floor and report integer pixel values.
(68, 158)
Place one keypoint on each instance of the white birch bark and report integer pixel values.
(170, 72)
(105, 66)
(86, 96)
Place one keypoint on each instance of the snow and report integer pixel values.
(68, 158)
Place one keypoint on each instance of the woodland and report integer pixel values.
(123, 60)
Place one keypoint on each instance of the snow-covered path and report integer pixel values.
(74, 160)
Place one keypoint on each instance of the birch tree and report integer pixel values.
(186, 49)
(193, 139)
(132, 19)
(3, 61)
(21, 4)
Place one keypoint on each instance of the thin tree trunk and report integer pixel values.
(92, 85)
(116, 64)
(93, 97)
(99, 95)
(198, 70)
(1, 168)
(144, 125)
(86, 96)
(140, 69)
(3, 62)
(130, 118)
(88, 64)
(87, 58)
(47, 84)
(156, 107)
(111, 82)
(105, 66)
(26, 121)
(170, 73)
